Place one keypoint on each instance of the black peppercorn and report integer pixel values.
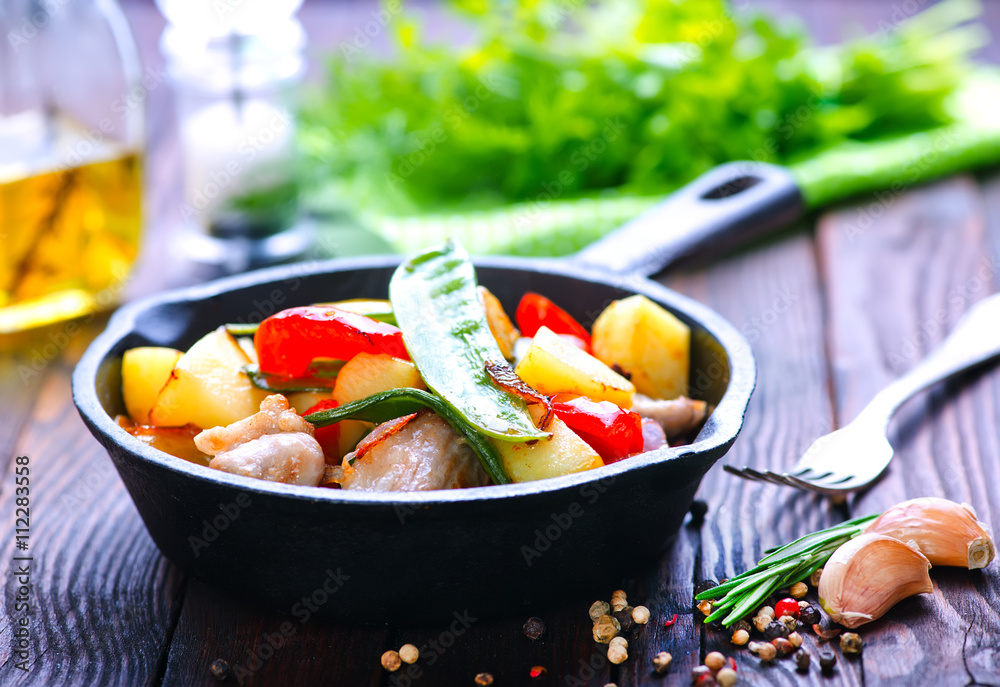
(802, 661)
(742, 625)
(624, 618)
(534, 628)
(698, 510)
(827, 660)
(808, 615)
(704, 586)
(774, 630)
(219, 669)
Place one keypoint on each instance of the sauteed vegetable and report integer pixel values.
(434, 388)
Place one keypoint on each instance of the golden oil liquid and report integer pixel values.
(70, 219)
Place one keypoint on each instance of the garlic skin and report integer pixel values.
(868, 575)
(948, 533)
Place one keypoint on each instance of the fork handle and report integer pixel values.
(974, 340)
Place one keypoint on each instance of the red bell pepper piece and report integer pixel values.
(328, 437)
(612, 432)
(288, 341)
(536, 311)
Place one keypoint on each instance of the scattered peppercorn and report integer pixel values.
(698, 510)
(408, 653)
(754, 646)
(783, 646)
(715, 661)
(766, 611)
(827, 660)
(391, 660)
(823, 633)
(766, 651)
(484, 679)
(661, 662)
(599, 608)
(741, 637)
(537, 671)
(850, 643)
(699, 672)
(619, 600)
(788, 606)
(605, 628)
(796, 639)
(534, 628)
(618, 641)
(640, 615)
(774, 630)
(814, 578)
(705, 607)
(790, 622)
(624, 618)
(809, 614)
(704, 586)
(761, 622)
(802, 661)
(798, 590)
(742, 625)
(617, 653)
(219, 669)
(726, 677)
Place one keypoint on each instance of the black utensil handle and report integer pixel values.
(727, 206)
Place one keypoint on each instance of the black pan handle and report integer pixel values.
(730, 205)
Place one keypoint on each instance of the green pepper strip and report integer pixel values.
(445, 331)
(388, 405)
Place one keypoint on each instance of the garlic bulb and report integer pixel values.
(868, 575)
(946, 532)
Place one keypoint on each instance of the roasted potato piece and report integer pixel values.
(562, 454)
(501, 327)
(553, 366)
(144, 372)
(366, 374)
(207, 387)
(648, 343)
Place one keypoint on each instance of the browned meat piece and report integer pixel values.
(274, 444)
(289, 457)
(274, 417)
(424, 454)
(677, 417)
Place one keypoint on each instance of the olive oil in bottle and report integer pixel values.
(70, 220)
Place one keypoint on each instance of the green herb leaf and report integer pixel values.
(780, 568)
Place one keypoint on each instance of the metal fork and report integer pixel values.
(852, 457)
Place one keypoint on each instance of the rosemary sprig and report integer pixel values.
(780, 568)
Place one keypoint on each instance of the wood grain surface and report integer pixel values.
(833, 308)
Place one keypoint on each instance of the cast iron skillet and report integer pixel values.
(374, 557)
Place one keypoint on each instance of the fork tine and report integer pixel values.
(782, 478)
(764, 476)
(811, 486)
(739, 472)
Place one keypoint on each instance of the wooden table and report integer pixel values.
(835, 308)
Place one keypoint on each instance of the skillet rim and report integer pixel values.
(721, 428)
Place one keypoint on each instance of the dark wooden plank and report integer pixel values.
(772, 294)
(898, 278)
(103, 599)
(268, 648)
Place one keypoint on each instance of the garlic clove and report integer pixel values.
(948, 533)
(868, 575)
